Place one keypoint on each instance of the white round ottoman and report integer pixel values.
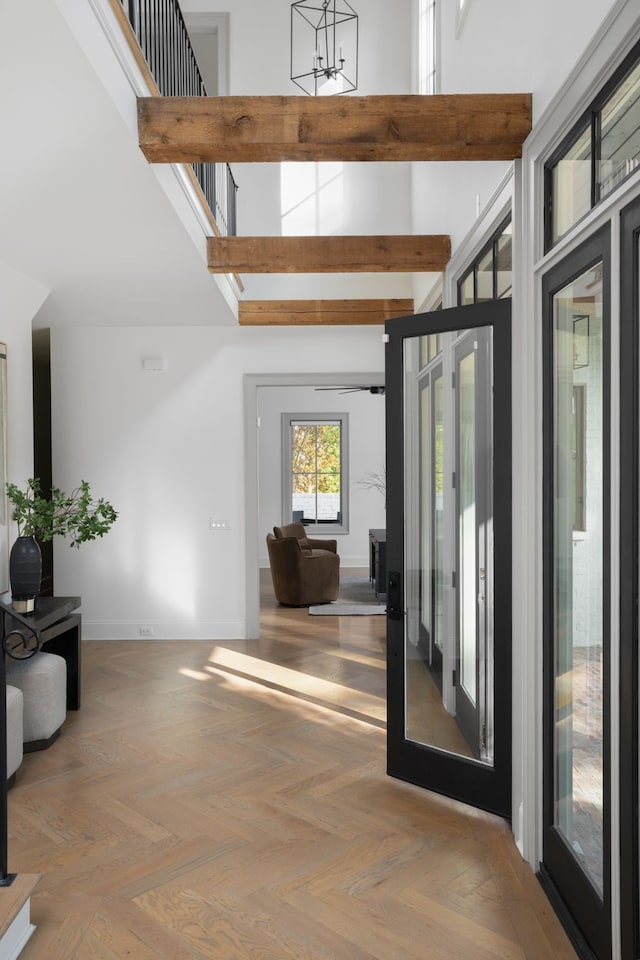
(14, 730)
(43, 682)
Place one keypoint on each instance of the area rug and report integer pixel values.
(355, 599)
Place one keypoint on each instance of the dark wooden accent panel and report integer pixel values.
(475, 126)
(300, 313)
(42, 457)
(328, 254)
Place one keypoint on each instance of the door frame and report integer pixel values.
(251, 384)
(629, 546)
(566, 887)
(490, 786)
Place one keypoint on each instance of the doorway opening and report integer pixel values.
(262, 489)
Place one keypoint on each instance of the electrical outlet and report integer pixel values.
(146, 631)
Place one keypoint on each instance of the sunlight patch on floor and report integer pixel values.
(325, 691)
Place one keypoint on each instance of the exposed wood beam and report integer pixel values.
(478, 126)
(388, 254)
(301, 313)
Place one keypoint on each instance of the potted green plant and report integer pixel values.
(76, 515)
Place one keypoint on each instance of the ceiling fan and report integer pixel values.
(375, 389)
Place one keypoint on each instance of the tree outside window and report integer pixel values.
(314, 470)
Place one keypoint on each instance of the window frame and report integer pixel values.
(589, 119)
(472, 268)
(326, 527)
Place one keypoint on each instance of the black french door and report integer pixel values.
(449, 552)
(575, 868)
(629, 576)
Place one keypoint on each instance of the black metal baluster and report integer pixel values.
(164, 49)
(173, 43)
(164, 40)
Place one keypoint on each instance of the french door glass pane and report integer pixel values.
(579, 573)
(467, 524)
(438, 509)
(425, 504)
(448, 633)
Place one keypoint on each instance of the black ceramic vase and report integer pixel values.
(25, 573)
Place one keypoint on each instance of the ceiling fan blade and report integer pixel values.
(375, 389)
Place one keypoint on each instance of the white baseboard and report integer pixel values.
(17, 934)
(170, 630)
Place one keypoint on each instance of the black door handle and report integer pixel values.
(395, 603)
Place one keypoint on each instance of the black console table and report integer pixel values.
(378, 561)
(54, 625)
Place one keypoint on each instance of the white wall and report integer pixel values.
(366, 455)
(260, 45)
(166, 448)
(500, 48)
(20, 299)
(516, 47)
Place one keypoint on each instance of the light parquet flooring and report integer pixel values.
(229, 800)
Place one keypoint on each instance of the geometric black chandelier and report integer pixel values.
(324, 46)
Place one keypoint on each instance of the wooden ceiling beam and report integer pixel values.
(334, 254)
(474, 126)
(303, 313)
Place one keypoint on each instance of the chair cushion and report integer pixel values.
(294, 530)
(290, 530)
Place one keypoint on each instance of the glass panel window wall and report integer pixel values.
(600, 151)
(489, 277)
(571, 185)
(619, 134)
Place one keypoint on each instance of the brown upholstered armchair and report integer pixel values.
(304, 570)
